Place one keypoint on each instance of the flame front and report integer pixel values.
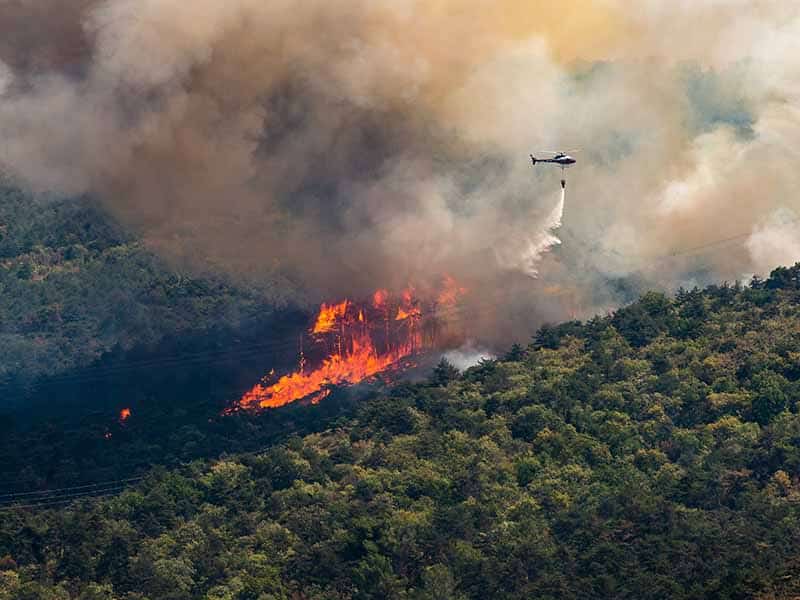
(361, 341)
(359, 362)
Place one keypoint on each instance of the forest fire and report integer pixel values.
(329, 316)
(357, 341)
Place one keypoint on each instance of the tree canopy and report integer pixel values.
(653, 453)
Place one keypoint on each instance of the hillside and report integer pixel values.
(92, 322)
(74, 285)
(653, 453)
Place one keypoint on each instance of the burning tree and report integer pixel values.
(358, 340)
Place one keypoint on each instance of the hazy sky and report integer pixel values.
(362, 144)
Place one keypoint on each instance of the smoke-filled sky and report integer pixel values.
(361, 144)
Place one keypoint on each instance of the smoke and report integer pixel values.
(351, 145)
(525, 254)
(467, 356)
(776, 241)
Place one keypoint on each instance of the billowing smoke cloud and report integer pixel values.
(360, 144)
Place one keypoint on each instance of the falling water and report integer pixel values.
(544, 241)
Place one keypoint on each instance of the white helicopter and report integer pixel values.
(562, 159)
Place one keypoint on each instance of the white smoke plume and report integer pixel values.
(775, 241)
(467, 356)
(527, 252)
(352, 145)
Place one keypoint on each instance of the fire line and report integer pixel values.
(358, 341)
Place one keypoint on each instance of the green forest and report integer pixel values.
(651, 453)
(75, 285)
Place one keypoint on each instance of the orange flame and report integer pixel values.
(124, 415)
(358, 363)
(410, 313)
(329, 316)
(356, 339)
(451, 293)
(410, 308)
(380, 298)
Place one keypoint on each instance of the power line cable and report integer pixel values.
(60, 495)
(286, 343)
(55, 503)
(67, 489)
(66, 497)
(97, 373)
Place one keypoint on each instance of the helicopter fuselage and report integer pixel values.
(564, 161)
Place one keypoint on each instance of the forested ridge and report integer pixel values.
(75, 285)
(92, 321)
(651, 453)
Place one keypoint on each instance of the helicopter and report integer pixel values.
(561, 159)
